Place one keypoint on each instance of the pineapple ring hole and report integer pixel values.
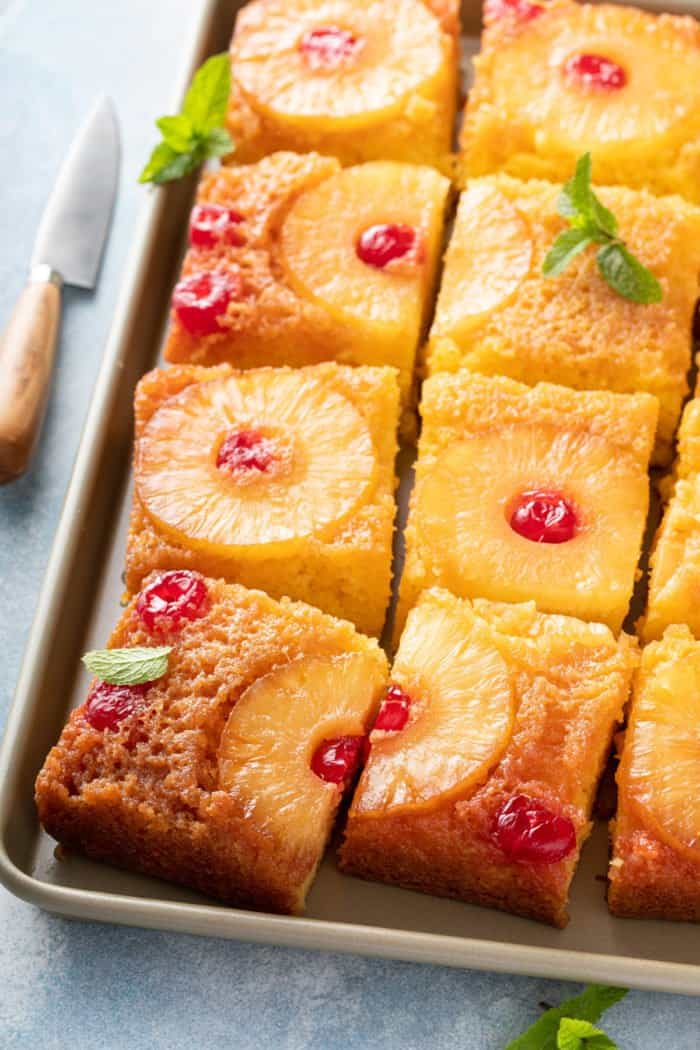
(249, 454)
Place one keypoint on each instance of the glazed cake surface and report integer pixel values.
(505, 703)
(360, 82)
(490, 448)
(148, 795)
(498, 315)
(557, 79)
(340, 424)
(295, 290)
(655, 868)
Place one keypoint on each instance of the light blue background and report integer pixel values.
(68, 984)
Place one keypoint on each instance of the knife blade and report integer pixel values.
(68, 248)
(73, 228)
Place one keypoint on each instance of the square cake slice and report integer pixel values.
(557, 79)
(674, 582)
(499, 315)
(225, 773)
(529, 493)
(276, 478)
(355, 81)
(293, 261)
(486, 753)
(655, 869)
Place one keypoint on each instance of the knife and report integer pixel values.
(68, 249)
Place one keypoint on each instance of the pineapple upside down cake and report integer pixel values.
(558, 78)
(276, 478)
(486, 752)
(359, 81)
(529, 493)
(674, 583)
(295, 260)
(655, 869)
(226, 773)
(498, 315)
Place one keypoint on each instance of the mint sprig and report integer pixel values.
(197, 132)
(590, 222)
(128, 666)
(546, 1033)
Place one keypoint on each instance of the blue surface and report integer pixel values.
(79, 985)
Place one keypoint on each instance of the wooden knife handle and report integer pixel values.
(27, 348)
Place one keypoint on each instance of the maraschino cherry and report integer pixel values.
(596, 72)
(544, 516)
(172, 599)
(201, 300)
(336, 760)
(328, 47)
(526, 829)
(393, 713)
(384, 243)
(212, 224)
(108, 705)
(520, 10)
(245, 452)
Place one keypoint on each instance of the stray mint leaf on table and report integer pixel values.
(591, 222)
(197, 132)
(128, 666)
(589, 1006)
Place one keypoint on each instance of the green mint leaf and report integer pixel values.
(578, 203)
(166, 165)
(590, 1005)
(219, 143)
(196, 133)
(575, 197)
(566, 246)
(576, 1034)
(128, 666)
(603, 217)
(177, 132)
(627, 276)
(207, 99)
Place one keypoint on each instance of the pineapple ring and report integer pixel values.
(402, 50)
(461, 716)
(488, 257)
(332, 470)
(661, 758)
(651, 51)
(327, 269)
(462, 507)
(267, 743)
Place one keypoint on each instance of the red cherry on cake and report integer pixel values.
(328, 47)
(211, 224)
(201, 300)
(336, 760)
(595, 71)
(521, 10)
(393, 713)
(108, 705)
(173, 598)
(386, 242)
(245, 452)
(526, 829)
(544, 516)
